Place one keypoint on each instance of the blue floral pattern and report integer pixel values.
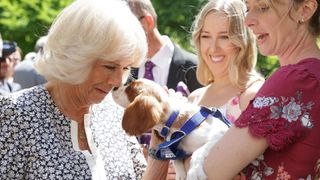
(35, 141)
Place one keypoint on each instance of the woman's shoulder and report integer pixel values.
(20, 99)
(303, 75)
(306, 66)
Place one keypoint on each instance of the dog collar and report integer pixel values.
(169, 149)
(165, 130)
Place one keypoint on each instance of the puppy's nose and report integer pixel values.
(115, 88)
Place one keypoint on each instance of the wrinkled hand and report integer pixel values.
(171, 172)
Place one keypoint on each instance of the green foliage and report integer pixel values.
(24, 21)
(175, 19)
(267, 65)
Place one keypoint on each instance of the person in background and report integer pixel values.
(25, 73)
(166, 63)
(172, 66)
(17, 56)
(7, 62)
(59, 130)
(278, 135)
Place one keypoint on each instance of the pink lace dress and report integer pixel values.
(286, 112)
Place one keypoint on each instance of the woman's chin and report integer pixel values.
(99, 99)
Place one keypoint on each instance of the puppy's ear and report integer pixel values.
(141, 115)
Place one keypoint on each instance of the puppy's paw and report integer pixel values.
(180, 171)
(196, 173)
(180, 177)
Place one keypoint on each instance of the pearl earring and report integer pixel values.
(301, 21)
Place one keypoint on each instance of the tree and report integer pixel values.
(175, 18)
(24, 21)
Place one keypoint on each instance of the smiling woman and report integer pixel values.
(60, 130)
(227, 58)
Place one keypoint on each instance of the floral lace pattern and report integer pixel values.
(35, 141)
(288, 108)
(259, 170)
(291, 109)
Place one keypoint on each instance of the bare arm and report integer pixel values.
(156, 170)
(232, 153)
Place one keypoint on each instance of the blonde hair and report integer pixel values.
(87, 31)
(242, 66)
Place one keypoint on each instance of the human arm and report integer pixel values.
(280, 115)
(230, 155)
(156, 169)
(171, 175)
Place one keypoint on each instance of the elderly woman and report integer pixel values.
(55, 131)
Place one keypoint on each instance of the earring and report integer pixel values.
(301, 21)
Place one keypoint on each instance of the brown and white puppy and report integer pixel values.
(148, 106)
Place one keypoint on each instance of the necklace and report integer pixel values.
(82, 136)
(82, 133)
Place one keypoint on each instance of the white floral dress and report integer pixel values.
(37, 141)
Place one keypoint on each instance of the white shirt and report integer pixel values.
(162, 60)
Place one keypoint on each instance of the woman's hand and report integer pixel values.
(171, 172)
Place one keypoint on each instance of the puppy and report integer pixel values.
(149, 106)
